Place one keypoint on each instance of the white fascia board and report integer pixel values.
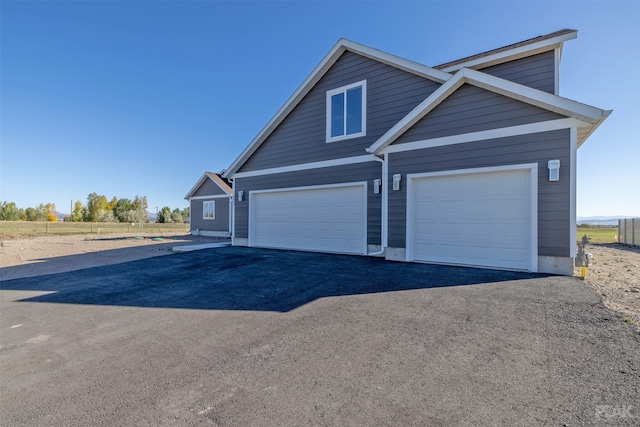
(195, 187)
(306, 166)
(593, 128)
(317, 73)
(538, 98)
(417, 113)
(515, 53)
(219, 182)
(202, 179)
(532, 96)
(398, 62)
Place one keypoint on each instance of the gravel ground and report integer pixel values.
(614, 274)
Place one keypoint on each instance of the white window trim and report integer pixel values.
(344, 89)
(203, 209)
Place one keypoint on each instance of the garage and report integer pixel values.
(323, 218)
(483, 217)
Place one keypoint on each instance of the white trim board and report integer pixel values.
(533, 174)
(213, 177)
(590, 115)
(573, 152)
(306, 166)
(514, 53)
(221, 196)
(485, 134)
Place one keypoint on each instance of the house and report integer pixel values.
(472, 162)
(210, 206)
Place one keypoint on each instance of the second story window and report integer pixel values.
(346, 111)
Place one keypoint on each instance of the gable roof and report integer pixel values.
(511, 52)
(590, 117)
(327, 62)
(217, 179)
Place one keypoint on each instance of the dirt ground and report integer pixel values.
(28, 256)
(614, 272)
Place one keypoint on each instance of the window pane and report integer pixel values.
(354, 110)
(337, 114)
(208, 210)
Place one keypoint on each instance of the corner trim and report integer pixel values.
(573, 152)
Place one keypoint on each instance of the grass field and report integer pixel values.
(37, 228)
(598, 234)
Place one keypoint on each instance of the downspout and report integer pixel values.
(232, 207)
(383, 225)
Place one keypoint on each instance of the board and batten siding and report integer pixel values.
(358, 172)
(221, 221)
(553, 197)
(472, 109)
(537, 71)
(301, 137)
(209, 188)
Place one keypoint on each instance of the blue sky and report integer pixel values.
(140, 98)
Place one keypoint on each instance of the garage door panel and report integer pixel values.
(479, 219)
(321, 219)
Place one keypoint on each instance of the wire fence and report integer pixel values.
(39, 227)
(629, 231)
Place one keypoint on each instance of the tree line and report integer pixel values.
(10, 212)
(97, 209)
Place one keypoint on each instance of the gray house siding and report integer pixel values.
(472, 109)
(301, 137)
(221, 221)
(536, 71)
(553, 197)
(333, 175)
(208, 188)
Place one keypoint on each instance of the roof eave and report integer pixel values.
(195, 187)
(512, 54)
(318, 72)
(564, 106)
(593, 127)
(215, 178)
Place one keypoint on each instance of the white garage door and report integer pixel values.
(481, 219)
(325, 219)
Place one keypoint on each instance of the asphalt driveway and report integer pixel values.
(239, 336)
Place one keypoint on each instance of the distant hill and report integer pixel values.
(600, 220)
